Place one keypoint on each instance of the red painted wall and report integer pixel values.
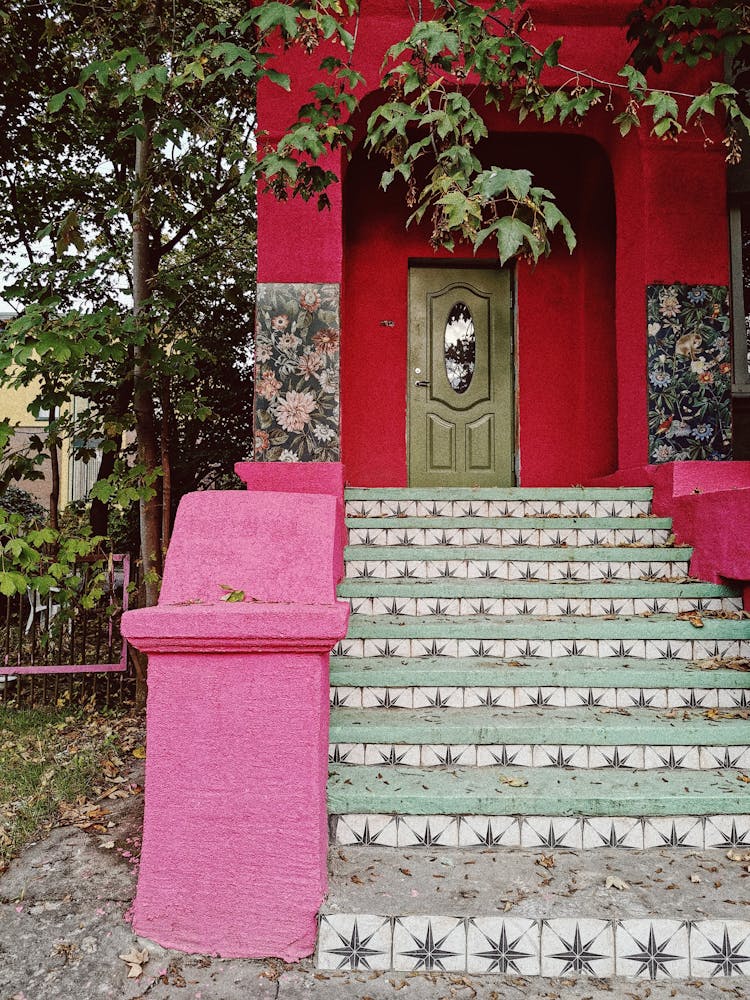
(581, 336)
(565, 337)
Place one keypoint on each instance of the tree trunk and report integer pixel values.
(167, 422)
(54, 495)
(143, 400)
(99, 510)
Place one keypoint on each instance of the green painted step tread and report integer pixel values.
(537, 726)
(514, 523)
(569, 671)
(549, 792)
(517, 553)
(511, 493)
(657, 627)
(493, 587)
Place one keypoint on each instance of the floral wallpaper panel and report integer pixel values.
(689, 373)
(297, 373)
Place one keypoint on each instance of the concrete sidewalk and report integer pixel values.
(63, 926)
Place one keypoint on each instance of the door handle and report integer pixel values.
(422, 383)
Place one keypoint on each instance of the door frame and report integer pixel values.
(468, 264)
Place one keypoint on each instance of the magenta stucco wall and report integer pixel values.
(709, 503)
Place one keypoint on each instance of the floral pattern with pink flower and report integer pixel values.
(262, 441)
(310, 299)
(288, 342)
(326, 341)
(293, 410)
(267, 386)
(309, 364)
(297, 373)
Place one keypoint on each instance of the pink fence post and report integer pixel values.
(235, 832)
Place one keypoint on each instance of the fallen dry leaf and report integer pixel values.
(717, 663)
(135, 958)
(513, 782)
(546, 861)
(613, 882)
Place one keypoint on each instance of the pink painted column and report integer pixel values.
(235, 831)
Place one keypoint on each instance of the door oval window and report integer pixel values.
(460, 347)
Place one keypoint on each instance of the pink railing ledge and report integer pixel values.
(235, 833)
(120, 666)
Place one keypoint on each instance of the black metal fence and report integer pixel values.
(59, 650)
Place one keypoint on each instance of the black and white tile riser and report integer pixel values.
(651, 649)
(426, 606)
(647, 537)
(580, 571)
(634, 758)
(721, 833)
(498, 508)
(521, 697)
(645, 949)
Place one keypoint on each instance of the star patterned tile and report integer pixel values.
(720, 948)
(674, 758)
(728, 832)
(505, 755)
(440, 755)
(618, 757)
(490, 697)
(506, 945)
(652, 949)
(550, 832)
(366, 830)
(429, 944)
(612, 832)
(346, 753)
(428, 831)
(546, 755)
(359, 942)
(677, 831)
(390, 697)
(489, 831)
(573, 947)
(386, 753)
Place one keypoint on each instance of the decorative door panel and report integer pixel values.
(460, 396)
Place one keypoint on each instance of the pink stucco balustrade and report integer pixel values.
(709, 503)
(235, 836)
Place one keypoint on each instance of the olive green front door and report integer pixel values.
(460, 386)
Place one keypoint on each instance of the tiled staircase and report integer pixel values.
(539, 743)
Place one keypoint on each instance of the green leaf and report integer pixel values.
(231, 595)
(12, 583)
(497, 181)
(510, 234)
(282, 80)
(56, 102)
(277, 15)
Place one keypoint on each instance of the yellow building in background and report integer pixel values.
(76, 477)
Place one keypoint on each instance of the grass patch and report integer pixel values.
(54, 761)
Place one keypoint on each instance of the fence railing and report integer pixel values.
(55, 649)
